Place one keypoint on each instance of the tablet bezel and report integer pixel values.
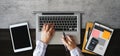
(20, 49)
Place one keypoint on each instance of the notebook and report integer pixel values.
(89, 26)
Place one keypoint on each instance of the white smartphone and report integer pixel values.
(20, 36)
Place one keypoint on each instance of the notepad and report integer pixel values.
(95, 33)
(106, 34)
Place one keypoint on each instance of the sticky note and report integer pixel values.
(106, 34)
(95, 33)
(101, 41)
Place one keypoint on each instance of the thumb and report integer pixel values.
(64, 41)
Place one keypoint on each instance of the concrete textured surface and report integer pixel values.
(104, 11)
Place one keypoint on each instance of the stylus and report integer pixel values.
(65, 39)
(88, 34)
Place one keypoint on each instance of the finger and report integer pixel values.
(50, 23)
(69, 42)
(47, 27)
(69, 38)
(43, 28)
(64, 41)
(51, 28)
(53, 32)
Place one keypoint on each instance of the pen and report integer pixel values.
(65, 39)
(88, 33)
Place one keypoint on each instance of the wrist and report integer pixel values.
(71, 47)
(45, 41)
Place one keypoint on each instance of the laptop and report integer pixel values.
(69, 22)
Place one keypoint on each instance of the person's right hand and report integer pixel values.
(69, 42)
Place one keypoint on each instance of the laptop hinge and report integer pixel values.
(57, 13)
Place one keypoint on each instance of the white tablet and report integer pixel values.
(20, 37)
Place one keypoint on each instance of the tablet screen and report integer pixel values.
(20, 37)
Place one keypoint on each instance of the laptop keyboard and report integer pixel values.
(62, 23)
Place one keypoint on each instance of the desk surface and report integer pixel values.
(59, 50)
(15, 11)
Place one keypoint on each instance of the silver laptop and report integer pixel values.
(69, 22)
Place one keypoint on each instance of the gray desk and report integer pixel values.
(15, 11)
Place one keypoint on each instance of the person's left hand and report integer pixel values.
(47, 32)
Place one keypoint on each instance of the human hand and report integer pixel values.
(69, 42)
(47, 32)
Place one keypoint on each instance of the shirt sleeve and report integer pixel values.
(76, 52)
(40, 49)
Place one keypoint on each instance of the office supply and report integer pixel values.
(70, 22)
(89, 26)
(20, 36)
(92, 44)
(99, 38)
(65, 39)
